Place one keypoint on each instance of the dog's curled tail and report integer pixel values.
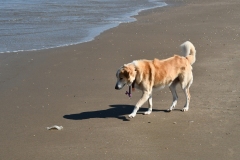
(189, 51)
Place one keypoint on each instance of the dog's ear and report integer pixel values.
(129, 70)
(126, 73)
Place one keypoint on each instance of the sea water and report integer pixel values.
(40, 24)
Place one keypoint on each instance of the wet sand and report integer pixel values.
(74, 87)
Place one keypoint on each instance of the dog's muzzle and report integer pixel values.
(119, 86)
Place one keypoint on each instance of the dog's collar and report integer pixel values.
(131, 87)
(133, 84)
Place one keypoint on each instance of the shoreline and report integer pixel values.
(73, 87)
(169, 3)
(95, 31)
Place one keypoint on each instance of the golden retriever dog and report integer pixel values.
(149, 74)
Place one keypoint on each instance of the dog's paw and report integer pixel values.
(185, 109)
(132, 115)
(169, 110)
(147, 112)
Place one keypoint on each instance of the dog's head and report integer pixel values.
(125, 75)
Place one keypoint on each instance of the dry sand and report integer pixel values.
(74, 87)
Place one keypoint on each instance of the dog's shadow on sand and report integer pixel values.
(119, 111)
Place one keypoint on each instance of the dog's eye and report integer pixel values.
(120, 78)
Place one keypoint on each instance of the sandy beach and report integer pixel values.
(73, 87)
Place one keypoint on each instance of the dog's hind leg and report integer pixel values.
(144, 98)
(172, 88)
(188, 96)
(187, 93)
(149, 106)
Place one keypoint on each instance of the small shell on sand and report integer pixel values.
(55, 127)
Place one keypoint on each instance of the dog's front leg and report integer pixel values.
(149, 111)
(144, 98)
